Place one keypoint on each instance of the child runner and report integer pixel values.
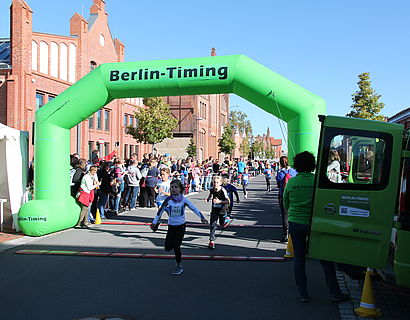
(175, 205)
(268, 175)
(231, 190)
(219, 201)
(245, 181)
(163, 186)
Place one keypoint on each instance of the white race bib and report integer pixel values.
(176, 211)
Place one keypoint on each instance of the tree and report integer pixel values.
(191, 149)
(257, 148)
(238, 121)
(155, 123)
(245, 147)
(366, 103)
(226, 143)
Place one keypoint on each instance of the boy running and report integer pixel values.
(231, 190)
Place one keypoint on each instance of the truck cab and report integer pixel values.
(360, 198)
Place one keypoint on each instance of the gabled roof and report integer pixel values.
(400, 115)
(5, 49)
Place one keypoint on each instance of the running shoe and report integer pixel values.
(178, 270)
(211, 245)
(226, 222)
(246, 196)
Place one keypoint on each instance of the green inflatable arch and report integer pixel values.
(54, 209)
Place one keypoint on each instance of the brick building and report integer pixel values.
(271, 144)
(35, 67)
(402, 117)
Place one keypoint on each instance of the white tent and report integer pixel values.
(13, 170)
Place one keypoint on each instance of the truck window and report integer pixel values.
(355, 158)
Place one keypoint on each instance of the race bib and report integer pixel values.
(176, 211)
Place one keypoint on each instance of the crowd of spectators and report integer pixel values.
(126, 185)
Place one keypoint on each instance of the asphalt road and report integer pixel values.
(67, 287)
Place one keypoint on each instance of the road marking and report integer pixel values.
(151, 255)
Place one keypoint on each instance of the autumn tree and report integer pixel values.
(154, 123)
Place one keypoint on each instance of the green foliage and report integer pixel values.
(245, 147)
(239, 123)
(155, 123)
(257, 148)
(366, 103)
(226, 143)
(191, 149)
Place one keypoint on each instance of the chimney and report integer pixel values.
(213, 52)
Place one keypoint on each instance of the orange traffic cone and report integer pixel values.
(367, 307)
(97, 217)
(289, 250)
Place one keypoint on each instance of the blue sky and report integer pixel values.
(320, 45)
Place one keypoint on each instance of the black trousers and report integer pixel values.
(173, 240)
(215, 216)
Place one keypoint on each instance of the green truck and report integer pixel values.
(363, 217)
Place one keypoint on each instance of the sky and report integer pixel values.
(320, 45)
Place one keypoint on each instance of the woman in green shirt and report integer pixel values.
(298, 201)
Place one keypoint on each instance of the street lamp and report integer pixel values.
(197, 137)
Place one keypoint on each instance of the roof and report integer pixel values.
(400, 115)
(5, 49)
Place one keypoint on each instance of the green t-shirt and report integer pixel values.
(298, 197)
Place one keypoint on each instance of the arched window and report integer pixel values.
(63, 61)
(54, 59)
(72, 62)
(93, 65)
(34, 55)
(43, 57)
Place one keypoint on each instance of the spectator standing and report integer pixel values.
(133, 176)
(150, 183)
(284, 174)
(298, 200)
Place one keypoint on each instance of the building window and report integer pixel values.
(72, 62)
(106, 148)
(91, 122)
(93, 65)
(34, 53)
(90, 148)
(125, 151)
(51, 97)
(99, 120)
(43, 57)
(131, 149)
(131, 121)
(39, 100)
(125, 120)
(63, 61)
(137, 149)
(54, 59)
(107, 120)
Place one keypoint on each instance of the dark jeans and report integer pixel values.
(299, 233)
(215, 216)
(173, 240)
(149, 197)
(284, 215)
(267, 183)
(134, 190)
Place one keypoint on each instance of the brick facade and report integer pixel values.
(44, 65)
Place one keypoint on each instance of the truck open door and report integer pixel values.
(353, 209)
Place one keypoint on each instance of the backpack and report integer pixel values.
(286, 179)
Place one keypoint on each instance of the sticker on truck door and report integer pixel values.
(355, 206)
